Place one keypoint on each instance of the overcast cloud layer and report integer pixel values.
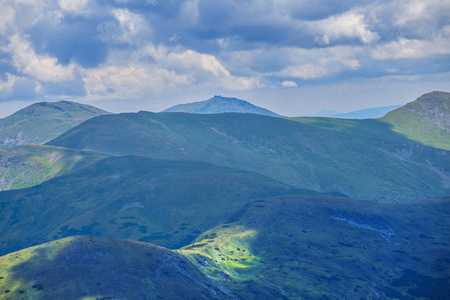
(156, 53)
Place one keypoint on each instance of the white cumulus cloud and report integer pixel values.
(74, 6)
(42, 67)
(288, 83)
(347, 25)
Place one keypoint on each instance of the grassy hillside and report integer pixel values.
(359, 158)
(86, 267)
(219, 104)
(165, 202)
(425, 120)
(29, 165)
(308, 247)
(41, 122)
(289, 247)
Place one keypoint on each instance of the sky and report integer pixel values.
(291, 56)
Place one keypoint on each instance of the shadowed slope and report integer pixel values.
(87, 267)
(313, 247)
(165, 202)
(359, 158)
(289, 247)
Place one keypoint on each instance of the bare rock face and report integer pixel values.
(434, 108)
(425, 120)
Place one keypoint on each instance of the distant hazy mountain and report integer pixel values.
(426, 120)
(368, 113)
(219, 104)
(323, 113)
(41, 122)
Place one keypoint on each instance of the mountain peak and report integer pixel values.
(432, 107)
(42, 121)
(219, 104)
(427, 119)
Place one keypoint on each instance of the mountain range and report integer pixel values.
(327, 155)
(199, 204)
(367, 113)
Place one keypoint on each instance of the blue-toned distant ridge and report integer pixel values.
(219, 104)
(368, 113)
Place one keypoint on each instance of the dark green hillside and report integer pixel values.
(99, 268)
(289, 247)
(164, 202)
(308, 247)
(29, 165)
(41, 122)
(426, 120)
(360, 158)
(219, 104)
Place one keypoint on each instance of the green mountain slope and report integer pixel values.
(309, 247)
(425, 120)
(29, 165)
(359, 158)
(165, 202)
(99, 268)
(41, 122)
(219, 104)
(289, 247)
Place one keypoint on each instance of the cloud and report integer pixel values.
(153, 70)
(189, 12)
(129, 82)
(347, 25)
(73, 6)
(19, 88)
(414, 48)
(423, 11)
(7, 85)
(301, 63)
(289, 83)
(7, 15)
(129, 49)
(41, 67)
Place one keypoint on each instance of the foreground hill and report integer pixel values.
(359, 158)
(41, 122)
(308, 247)
(165, 202)
(426, 120)
(99, 268)
(289, 247)
(29, 165)
(219, 104)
